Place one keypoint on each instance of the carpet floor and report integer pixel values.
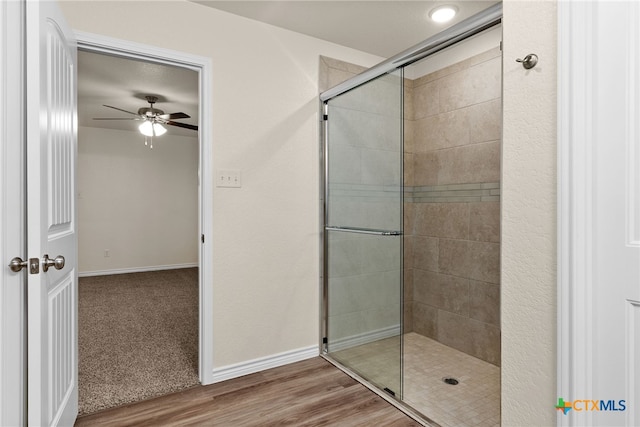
(138, 336)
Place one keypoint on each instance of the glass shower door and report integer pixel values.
(363, 231)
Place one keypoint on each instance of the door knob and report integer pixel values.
(17, 264)
(57, 262)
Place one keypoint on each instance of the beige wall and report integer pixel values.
(139, 204)
(265, 123)
(529, 216)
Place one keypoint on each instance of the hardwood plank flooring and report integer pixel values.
(308, 393)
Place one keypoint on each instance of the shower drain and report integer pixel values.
(450, 380)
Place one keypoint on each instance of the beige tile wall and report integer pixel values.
(452, 228)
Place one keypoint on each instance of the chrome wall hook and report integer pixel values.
(529, 61)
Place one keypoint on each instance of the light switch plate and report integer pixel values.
(229, 178)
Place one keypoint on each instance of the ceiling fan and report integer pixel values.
(152, 119)
(152, 116)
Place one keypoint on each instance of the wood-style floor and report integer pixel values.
(308, 393)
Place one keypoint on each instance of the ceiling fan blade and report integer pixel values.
(182, 125)
(119, 109)
(174, 116)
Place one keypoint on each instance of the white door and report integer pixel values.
(616, 178)
(51, 216)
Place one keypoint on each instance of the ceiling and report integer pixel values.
(382, 28)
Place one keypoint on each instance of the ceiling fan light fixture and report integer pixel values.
(159, 129)
(147, 128)
(442, 14)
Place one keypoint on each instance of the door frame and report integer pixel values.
(575, 193)
(202, 65)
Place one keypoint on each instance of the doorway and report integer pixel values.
(196, 164)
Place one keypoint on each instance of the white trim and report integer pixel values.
(203, 65)
(127, 49)
(632, 345)
(577, 55)
(135, 269)
(263, 363)
(632, 138)
(364, 338)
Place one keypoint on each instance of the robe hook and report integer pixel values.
(529, 61)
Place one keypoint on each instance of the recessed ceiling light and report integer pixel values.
(443, 13)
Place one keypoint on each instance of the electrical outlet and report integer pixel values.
(107, 253)
(229, 178)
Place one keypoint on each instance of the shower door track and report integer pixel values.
(417, 416)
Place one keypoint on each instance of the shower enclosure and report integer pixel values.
(411, 227)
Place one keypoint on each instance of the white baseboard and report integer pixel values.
(365, 338)
(135, 269)
(263, 363)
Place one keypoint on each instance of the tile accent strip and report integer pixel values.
(368, 192)
(450, 193)
(453, 193)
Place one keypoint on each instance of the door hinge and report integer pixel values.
(202, 238)
(325, 117)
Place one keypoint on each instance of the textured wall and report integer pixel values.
(529, 216)
(140, 204)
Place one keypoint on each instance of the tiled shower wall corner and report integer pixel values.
(452, 205)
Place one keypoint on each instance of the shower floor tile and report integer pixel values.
(474, 401)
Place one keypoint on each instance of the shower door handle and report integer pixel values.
(365, 231)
